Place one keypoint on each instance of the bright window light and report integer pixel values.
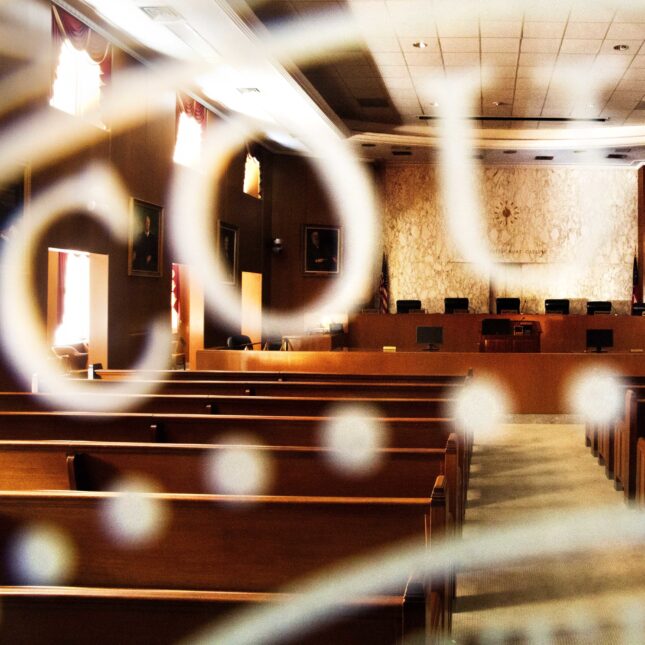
(77, 87)
(188, 149)
(75, 325)
(174, 303)
(252, 177)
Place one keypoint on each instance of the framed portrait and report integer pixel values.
(322, 249)
(146, 239)
(228, 245)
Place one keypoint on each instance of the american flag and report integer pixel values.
(383, 289)
(635, 282)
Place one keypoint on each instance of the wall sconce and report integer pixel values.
(277, 245)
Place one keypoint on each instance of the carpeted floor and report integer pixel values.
(529, 470)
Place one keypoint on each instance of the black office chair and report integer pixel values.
(556, 306)
(598, 307)
(239, 341)
(406, 306)
(507, 305)
(455, 305)
(272, 344)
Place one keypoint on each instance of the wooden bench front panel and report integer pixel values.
(177, 428)
(51, 616)
(217, 542)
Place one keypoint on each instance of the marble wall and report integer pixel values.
(552, 232)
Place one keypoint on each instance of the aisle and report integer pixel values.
(529, 470)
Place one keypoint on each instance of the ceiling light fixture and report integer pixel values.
(621, 48)
(500, 103)
(421, 44)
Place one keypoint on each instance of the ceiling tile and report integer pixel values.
(547, 12)
(500, 28)
(458, 29)
(555, 111)
(398, 83)
(638, 62)
(532, 83)
(531, 94)
(573, 61)
(608, 47)
(634, 13)
(383, 44)
(588, 30)
(536, 60)
(632, 85)
(463, 60)
(635, 73)
(459, 45)
(538, 72)
(428, 59)
(592, 12)
(540, 45)
(543, 29)
(499, 72)
(497, 84)
(493, 110)
(405, 94)
(624, 30)
(390, 58)
(493, 60)
(394, 71)
(425, 72)
(500, 44)
(608, 61)
(580, 46)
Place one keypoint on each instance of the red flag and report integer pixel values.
(383, 289)
(635, 282)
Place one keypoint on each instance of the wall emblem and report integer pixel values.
(506, 212)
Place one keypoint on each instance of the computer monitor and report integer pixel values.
(556, 306)
(406, 306)
(430, 336)
(599, 338)
(598, 307)
(497, 327)
(507, 305)
(638, 309)
(455, 305)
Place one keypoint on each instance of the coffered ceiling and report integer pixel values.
(557, 78)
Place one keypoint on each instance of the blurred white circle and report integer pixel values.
(355, 436)
(596, 395)
(42, 554)
(479, 408)
(134, 516)
(238, 470)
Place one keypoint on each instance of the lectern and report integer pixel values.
(506, 335)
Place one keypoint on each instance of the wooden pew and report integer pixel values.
(180, 468)
(278, 540)
(255, 405)
(317, 389)
(105, 616)
(626, 434)
(403, 434)
(640, 473)
(231, 375)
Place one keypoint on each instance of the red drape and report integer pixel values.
(66, 26)
(60, 292)
(191, 107)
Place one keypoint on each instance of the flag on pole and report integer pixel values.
(383, 289)
(635, 281)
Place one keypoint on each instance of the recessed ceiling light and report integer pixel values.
(420, 44)
(579, 151)
(510, 152)
(433, 104)
(368, 145)
(499, 103)
(621, 48)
